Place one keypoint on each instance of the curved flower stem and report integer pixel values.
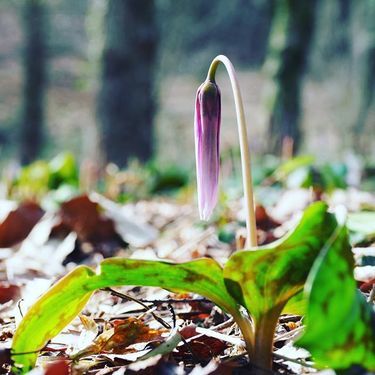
(244, 146)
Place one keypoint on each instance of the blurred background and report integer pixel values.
(115, 80)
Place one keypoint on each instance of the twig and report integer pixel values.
(290, 334)
(290, 318)
(223, 325)
(19, 306)
(298, 362)
(175, 300)
(148, 309)
(157, 318)
(171, 309)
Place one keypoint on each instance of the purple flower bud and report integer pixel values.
(207, 136)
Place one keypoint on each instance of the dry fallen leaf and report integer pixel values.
(5, 361)
(95, 231)
(83, 216)
(124, 332)
(9, 292)
(19, 223)
(59, 367)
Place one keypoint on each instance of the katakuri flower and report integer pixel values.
(207, 137)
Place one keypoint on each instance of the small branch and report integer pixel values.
(147, 308)
(301, 363)
(175, 300)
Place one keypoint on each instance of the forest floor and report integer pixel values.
(38, 246)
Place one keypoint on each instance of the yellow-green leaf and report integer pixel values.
(54, 310)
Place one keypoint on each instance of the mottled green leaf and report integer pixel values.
(296, 305)
(340, 323)
(54, 310)
(266, 278)
(202, 276)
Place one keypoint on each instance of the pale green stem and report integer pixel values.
(247, 331)
(244, 146)
(264, 333)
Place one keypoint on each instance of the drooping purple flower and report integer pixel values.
(207, 136)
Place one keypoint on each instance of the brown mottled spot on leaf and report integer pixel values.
(193, 277)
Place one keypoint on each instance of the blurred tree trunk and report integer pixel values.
(364, 64)
(289, 45)
(126, 99)
(34, 76)
(343, 24)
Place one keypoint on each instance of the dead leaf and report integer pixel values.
(5, 361)
(188, 331)
(83, 216)
(202, 347)
(125, 332)
(130, 331)
(264, 221)
(366, 287)
(95, 231)
(88, 323)
(19, 223)
(9, 292)
(59, 367)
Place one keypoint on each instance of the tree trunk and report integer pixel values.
(126, 99)
(34, 66)
(364, 65)
(290, 41)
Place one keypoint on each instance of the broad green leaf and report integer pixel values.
(202, 276)
(265, 279)
(340, 324)
(54, 310)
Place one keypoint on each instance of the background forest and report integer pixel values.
(115, 80)
(99, 129)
